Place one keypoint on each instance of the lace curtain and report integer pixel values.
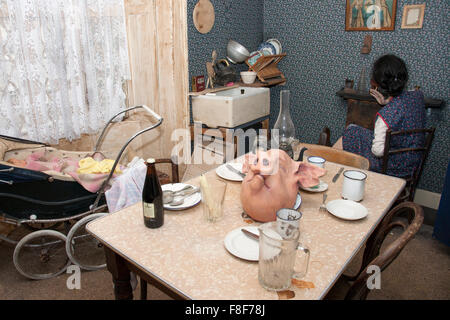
(62, 67)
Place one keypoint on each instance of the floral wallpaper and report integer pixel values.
(240, 20)
(321, 55)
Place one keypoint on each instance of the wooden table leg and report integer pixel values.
(120, 275)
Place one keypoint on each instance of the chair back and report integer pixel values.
(163, 177)
(408, 216)
(413, 180)
(334, 155)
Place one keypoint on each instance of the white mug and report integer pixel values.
(353, 185)
(318, 161)
(285, 218)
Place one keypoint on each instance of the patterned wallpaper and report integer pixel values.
(321, 55)
(240, 20)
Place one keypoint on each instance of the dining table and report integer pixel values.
(187, 259)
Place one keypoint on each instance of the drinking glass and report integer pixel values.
(213, 194)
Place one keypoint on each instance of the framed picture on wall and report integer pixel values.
(370, 15)
(413, 16)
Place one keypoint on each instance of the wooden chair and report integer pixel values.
(413, 180)
(333, 155)
(408, 216)
(163, 177)
(324, 137)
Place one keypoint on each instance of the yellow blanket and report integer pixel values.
(89, 165)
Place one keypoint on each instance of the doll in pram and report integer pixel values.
(54, 202)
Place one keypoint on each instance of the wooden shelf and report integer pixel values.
(268, 83)
(355, 95)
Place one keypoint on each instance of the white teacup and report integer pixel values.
(318, 161)
(285, 218)
(353, 185)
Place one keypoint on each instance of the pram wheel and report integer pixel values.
(41, 255)
(82, 248)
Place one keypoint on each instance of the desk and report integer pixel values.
(186, 257)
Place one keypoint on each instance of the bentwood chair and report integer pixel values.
(333, 155)
(406, 215)
(413, 180)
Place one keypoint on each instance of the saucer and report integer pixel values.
(321, 187)
(347, 209)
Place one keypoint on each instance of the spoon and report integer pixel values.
(169, 195)
(180, 201)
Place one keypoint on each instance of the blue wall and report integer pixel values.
(321, 55)
(240, 20)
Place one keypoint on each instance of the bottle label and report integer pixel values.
(149, 210)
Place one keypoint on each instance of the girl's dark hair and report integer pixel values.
(391, 75)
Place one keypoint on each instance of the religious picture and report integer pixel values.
(370, 15)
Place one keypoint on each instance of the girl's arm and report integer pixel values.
(379, 137)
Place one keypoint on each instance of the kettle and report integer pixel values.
(224, 73)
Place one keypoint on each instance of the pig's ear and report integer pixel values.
(307, 174)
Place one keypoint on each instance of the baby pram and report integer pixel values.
(54, 206)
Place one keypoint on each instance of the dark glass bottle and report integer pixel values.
(152, 198)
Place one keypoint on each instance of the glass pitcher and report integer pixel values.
(279, 256)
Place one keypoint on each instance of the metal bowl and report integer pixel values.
(236, 53)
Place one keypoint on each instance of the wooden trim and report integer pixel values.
(406, 10)
(427, 198)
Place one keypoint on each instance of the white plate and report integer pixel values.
(347, 209)
(321, 187)
(225, 173)
(276, 44)
(242, 246)
(298, 201)
(189, 202)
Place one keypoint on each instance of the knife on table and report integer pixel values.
(250, 234)
(338, 174)
(232, 169)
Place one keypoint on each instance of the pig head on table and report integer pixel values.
(272, 182)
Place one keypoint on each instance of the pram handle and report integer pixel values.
(105, 183)
(150, 111)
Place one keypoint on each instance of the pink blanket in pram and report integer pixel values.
(40, 162)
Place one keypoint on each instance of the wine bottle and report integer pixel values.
(152, 198)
